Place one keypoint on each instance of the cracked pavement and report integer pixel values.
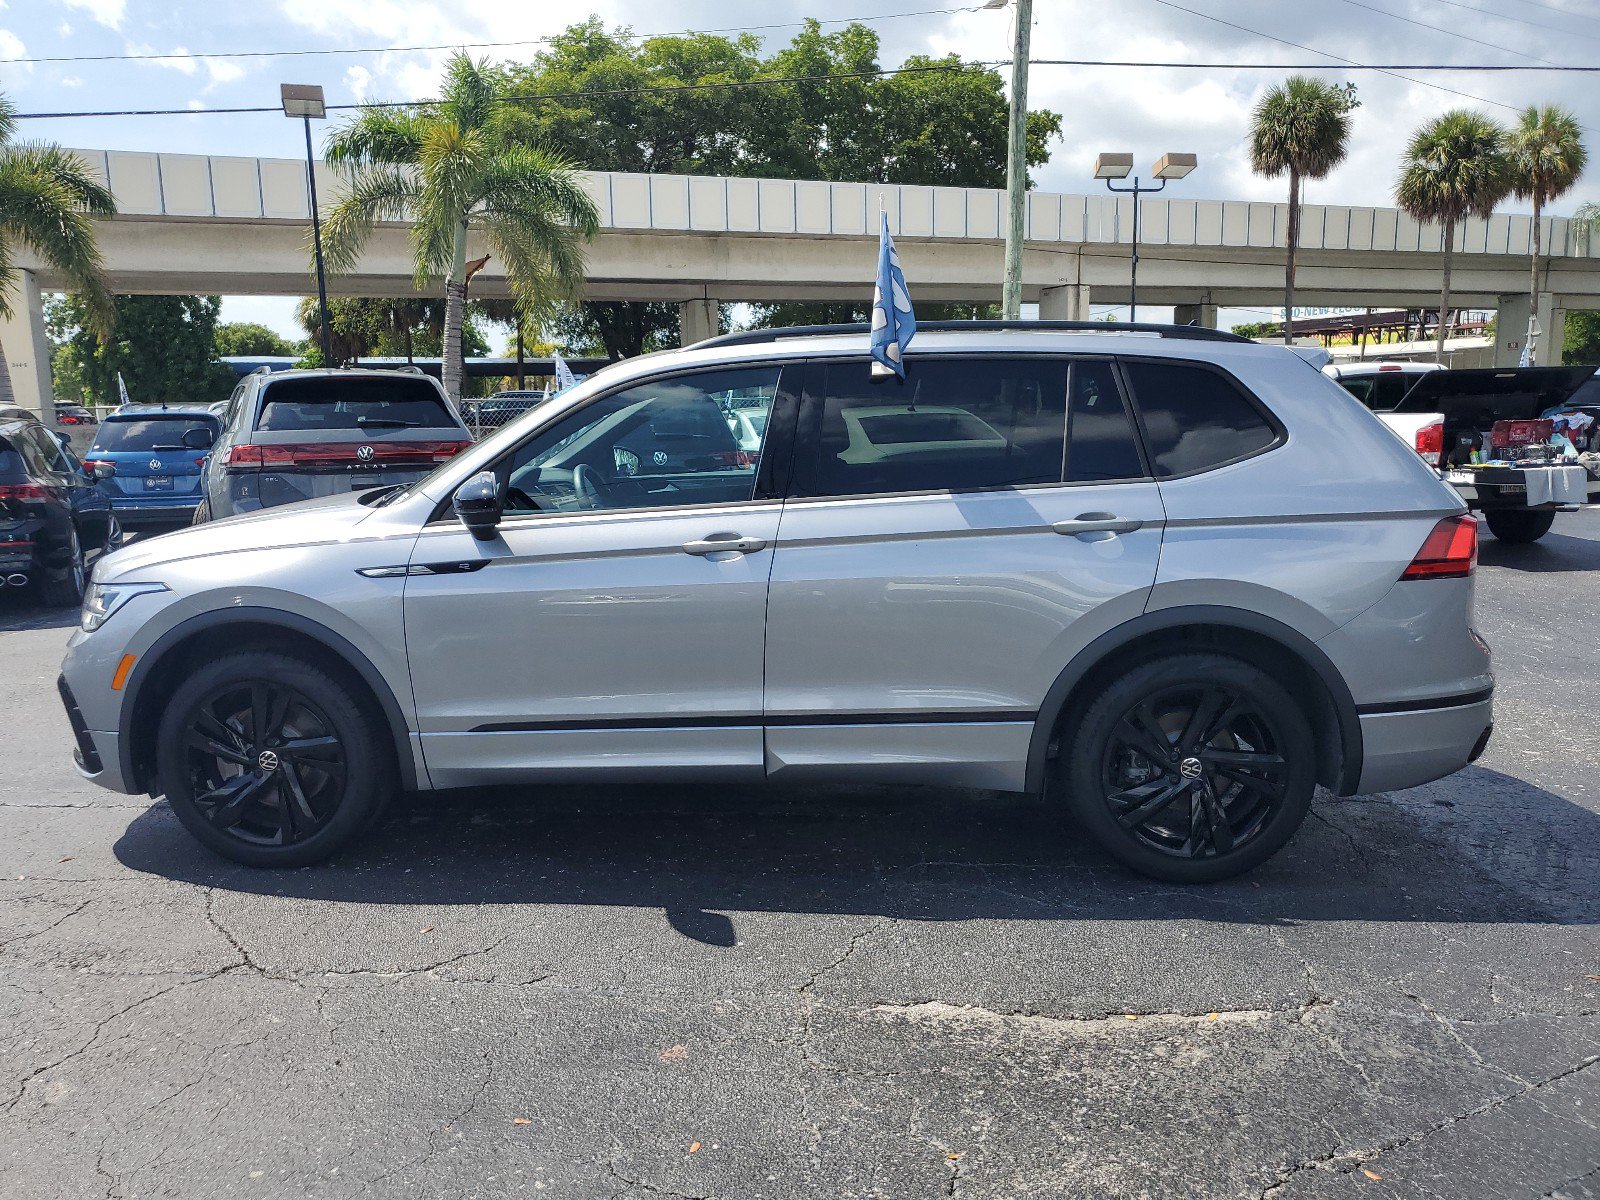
(639, 993)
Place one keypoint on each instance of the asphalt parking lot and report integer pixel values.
(838, 993)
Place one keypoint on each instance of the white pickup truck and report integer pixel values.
(1447, 415)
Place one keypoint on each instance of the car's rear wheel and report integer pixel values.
(202, 513)
(1191, 768)
(61, 584)
(1518, 525)
(270, 761)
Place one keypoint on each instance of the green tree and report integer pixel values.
(1582, 346)
(1454, 167)
(945, 126)
(1301, 127)
(162, 346)
(1546, 154)
(364, 327)
(452, 171)
(48, 202)
(249, 338)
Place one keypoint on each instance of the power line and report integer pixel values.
(533, 98)
(1383, 12)
(538, 41)
(1317, 66)
(1499, 16)
(1556, 8)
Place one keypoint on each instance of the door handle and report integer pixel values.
(1097, 522)
(725, 543)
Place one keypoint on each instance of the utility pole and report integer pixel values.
(1017, 162)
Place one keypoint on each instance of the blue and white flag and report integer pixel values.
(122, 389)
(1527, 354)
(564, 376)
(893, 322)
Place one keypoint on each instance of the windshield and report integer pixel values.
(148, 433)
(343, 402)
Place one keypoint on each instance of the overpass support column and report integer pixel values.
(1511, 330)
(26, 347)
(1203, 314)
(1069, 302)
(701, 319)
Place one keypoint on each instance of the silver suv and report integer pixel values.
(1121, 567)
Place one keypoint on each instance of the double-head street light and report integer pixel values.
(304, 100)
(1016, 157)
(1111, 167)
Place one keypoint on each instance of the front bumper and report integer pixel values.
(1416, 746)
(96, 753)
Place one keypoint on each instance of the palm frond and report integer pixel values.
(376, 193)
(1546, 152)
(470, 93)
(522, 176)
(68, 171)
(45, 211)
(1303, 124)
(8, 120)
(377, 135)
(1455, 166)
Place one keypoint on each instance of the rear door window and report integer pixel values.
(308, 405)
(1101, 443)
(1195, 418)
(953, 425)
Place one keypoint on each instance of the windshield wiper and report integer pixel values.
(389, 422)
(167, 448)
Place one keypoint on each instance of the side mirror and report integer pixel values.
(62, 439)
(198, 437)
(477, 502)
(104, 470)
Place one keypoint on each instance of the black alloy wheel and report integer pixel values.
(1192, 768)
(271, 761)
(264, 763)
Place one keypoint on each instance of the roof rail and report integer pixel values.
(1193, 333)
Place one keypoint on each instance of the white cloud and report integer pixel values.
(11, 47)
(108, 12)
(64, 30)
(177, 59)
(70, 81)
(221, 71)
(359, 81)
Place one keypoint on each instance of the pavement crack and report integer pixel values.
(808, 1004)
(23, 937)
(644, 1185)
(1559, 1192)
(227, 934)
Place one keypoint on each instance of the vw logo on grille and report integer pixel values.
(155, 464)
(364, 453)
(267, 761)
(1190, 768)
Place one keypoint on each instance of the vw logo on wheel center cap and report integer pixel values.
(1190, 768)
(364, 453)
(267, 761)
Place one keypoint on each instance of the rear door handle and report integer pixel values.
(1097, 522)
(725, 543)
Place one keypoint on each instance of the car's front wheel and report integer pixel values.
(1519, 525)
(61, 585)
(1191, 768)
(272, 762)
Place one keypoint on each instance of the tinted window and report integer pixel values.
(1195, 418)
(343, 402)
(953, 425)
(1382, 392)
(10, 461)
(1101, 444)
(148, 433)
(664, 443)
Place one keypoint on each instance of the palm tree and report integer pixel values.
(48, 202)
(1454, 167)
(1546, 153)
(1300, 127)
(450, 170)
(1588, 221)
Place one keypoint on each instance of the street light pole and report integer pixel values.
(305, 101)
(1110, 167)
(1016, 159)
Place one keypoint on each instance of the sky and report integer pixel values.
(1147, 111)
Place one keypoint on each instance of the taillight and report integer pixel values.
(28, 492)
(340, 455)
(1450, 552)
(1430, 443)
(93, 464)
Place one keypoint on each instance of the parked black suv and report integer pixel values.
(52, 512)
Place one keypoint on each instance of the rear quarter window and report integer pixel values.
(1195, 418)
(308, 405)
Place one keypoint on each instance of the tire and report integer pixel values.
(114, 535)
(1518, 525)
(63, 587)
(321, 774)
(1261, 802)
(202, 513)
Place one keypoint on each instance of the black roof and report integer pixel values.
(1193, 333)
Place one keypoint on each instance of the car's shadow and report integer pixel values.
(1553, 552)
(920, 854)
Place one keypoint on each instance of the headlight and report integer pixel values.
(103, 599)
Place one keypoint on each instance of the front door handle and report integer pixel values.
(725, 543)
(1097, 522)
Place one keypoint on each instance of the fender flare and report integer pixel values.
(394, 718)
(1159, 620)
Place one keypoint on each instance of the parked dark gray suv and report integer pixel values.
(300, 435)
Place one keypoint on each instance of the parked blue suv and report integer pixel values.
(155, 455)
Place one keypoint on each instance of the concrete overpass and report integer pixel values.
(191, 223)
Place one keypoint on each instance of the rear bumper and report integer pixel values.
(142, 512)
(1418, 745)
